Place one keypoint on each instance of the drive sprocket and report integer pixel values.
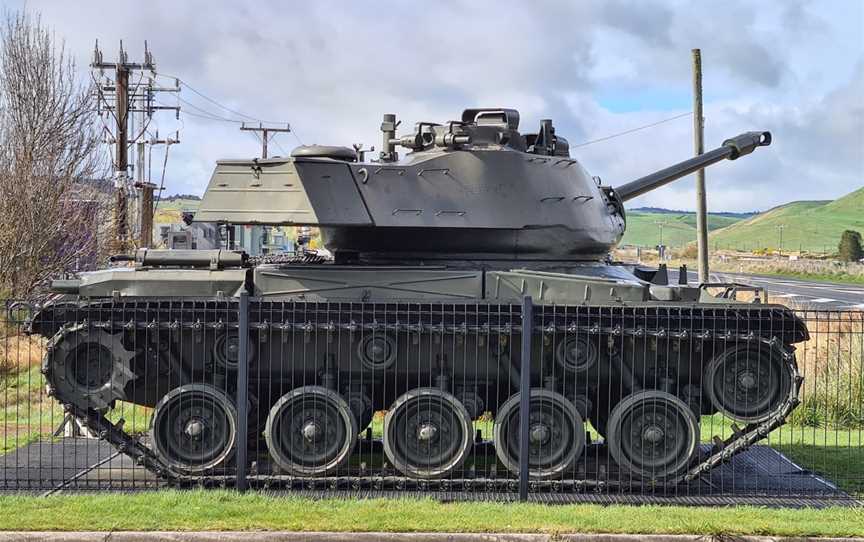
(89, 366)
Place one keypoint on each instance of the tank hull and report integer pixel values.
(358, 343)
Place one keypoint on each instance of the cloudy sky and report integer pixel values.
(597, 68)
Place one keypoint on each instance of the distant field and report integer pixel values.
(170, 211)
(643, 227)
(179, 204)
(813, 226)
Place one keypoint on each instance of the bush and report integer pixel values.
(850, 246)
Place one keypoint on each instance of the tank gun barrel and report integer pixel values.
(731, 149)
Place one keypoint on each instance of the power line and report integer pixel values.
(630, 131)
(215, 116)
(162, 181)
(205, 114)
(284, 152)
(218, 104)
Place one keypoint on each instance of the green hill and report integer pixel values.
(806, 225)
(679, 228)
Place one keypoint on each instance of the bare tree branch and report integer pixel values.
(50, 207)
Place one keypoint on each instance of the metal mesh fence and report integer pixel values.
(661, 403)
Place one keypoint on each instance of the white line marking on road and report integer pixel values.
(823, 300)
(788, 295)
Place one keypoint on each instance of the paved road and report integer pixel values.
(806, 294)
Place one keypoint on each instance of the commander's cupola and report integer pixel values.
(478, 129)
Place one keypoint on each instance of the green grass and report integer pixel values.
(679, 229)
(224, 510)
(836, 454)
(27, 414)
(813, 226)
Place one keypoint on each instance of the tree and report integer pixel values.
(49, 208)
(850, 246)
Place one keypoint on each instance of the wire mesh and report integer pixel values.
(662, 403)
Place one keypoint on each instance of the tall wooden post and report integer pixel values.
(146, 239)
(699, 148)
(121, 158)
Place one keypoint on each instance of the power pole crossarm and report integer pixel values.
(129, 101)
(266, 132)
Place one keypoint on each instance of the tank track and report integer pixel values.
(135, 448)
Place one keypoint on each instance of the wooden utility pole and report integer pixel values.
(699, 148)
(121, 160)
(146, 234)
(147, 188)
(265, 133)
(127, 101)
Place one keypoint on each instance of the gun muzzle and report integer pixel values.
(747, 143)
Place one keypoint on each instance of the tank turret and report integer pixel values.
(473, 189)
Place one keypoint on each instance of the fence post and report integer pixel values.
(525, 393)
(242, 389)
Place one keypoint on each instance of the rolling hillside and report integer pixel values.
(679, 228)
(806, 225)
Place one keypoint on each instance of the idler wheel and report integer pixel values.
(226, 350)
(311, 431)
(576, 353)
(194, 428)
(748, 383)
(427, 433)
(89, 367)
(653, 435)
(556, 434)
(377, 351)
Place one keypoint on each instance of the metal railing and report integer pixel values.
(660, 403)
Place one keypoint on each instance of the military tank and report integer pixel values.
(418, 313)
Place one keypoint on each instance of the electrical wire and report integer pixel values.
(216, 116)
(216, 103)
(284, 152)
(202, 111)
(162, 181)
(630, 131)
(210, 116)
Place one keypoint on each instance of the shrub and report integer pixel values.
(850, 249)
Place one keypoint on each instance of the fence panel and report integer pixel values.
(655, 403)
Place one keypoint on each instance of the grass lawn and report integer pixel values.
(223, 510)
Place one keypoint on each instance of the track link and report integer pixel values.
(133, 447)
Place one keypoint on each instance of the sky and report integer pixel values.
(331, 69)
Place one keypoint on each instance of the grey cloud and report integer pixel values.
(649, 21)
(333, 68)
